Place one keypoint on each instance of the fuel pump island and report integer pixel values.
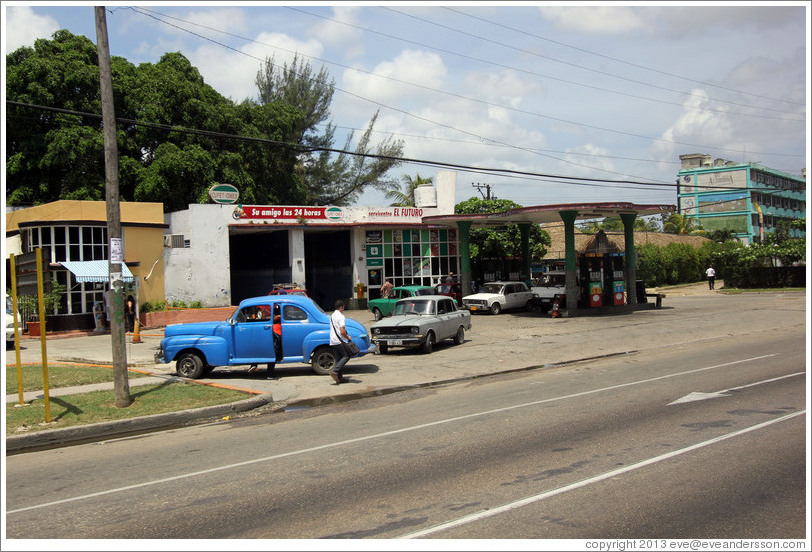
(601, 278)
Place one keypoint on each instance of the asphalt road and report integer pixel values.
(701, 439)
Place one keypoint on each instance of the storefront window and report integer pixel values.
(411, 257)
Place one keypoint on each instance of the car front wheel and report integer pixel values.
(496, 308)
(428, 344)
(383, 348)
(323, 360)
(190, 365)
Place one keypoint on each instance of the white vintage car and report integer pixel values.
(421, 322)
(495, 297)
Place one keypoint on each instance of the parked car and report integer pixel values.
(553, 284)
(453, 290)
(10, 322)
(383, 306)
(495, 297)
(288, 289)
(246, 337)
(421, 321)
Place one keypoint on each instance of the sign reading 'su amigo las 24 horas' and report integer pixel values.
(224, 193)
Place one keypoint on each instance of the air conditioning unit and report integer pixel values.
(174, 240)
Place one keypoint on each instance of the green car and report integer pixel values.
(384, 306)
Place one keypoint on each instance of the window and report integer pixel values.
(292, 312)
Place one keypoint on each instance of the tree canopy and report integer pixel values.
(501, 242)
(177, 136)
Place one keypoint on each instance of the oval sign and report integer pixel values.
(224, 193)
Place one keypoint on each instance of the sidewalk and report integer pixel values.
(495, 344)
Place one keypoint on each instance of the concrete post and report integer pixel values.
(570, 261)
(631, 257)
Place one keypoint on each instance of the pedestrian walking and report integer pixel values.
(711, 277)
(338, 338)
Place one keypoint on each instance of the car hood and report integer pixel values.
(196, 328)
(482, 296)
(402, 320)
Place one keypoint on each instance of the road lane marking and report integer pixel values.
(375, 436)
(700, 396)
(583, 483)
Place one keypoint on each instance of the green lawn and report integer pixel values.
(59, 375)
(98, 406)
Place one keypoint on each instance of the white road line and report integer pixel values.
(374, 436)
(541, 496)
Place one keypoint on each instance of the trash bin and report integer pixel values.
(640, 287)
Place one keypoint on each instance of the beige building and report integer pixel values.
(75, 244)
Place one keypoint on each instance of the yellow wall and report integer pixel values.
(142, 228)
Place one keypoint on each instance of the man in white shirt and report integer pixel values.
(338, 337)
(711, 277)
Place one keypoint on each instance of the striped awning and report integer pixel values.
(95, 271)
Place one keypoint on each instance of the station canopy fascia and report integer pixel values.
(545, 214)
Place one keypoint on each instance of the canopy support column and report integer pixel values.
(570, 261)
(631, 257)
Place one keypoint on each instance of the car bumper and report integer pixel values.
(474, 308)
(404, 341)
(159, 357)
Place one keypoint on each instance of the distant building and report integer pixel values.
(744, 197)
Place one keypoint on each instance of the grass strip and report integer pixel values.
(99, 406)
(60, 375)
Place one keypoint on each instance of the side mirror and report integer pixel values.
(231, 322)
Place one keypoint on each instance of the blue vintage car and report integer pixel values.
(247, 337)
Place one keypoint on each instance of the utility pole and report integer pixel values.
(487, 187)
(121, 382)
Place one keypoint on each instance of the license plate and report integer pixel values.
(395, 342)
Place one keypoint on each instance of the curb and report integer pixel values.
(120, 428)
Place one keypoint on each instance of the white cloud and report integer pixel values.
(418, 67)
(233, 74)
(22, 27)
(339, 32)
(609, 20)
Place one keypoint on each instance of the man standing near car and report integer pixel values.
(338, 337)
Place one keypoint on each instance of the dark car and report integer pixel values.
(453, 290)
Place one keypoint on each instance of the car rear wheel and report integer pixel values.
(459, 337)
(190, 365)
(428, 344)
(323, 360)
(496, 308)
(377, 314)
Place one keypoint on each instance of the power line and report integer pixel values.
(681, 77)
(424, 119)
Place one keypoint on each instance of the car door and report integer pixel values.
(510, 296)
(253, 335)
(450, 319)
(296, 326)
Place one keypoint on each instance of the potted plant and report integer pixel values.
(29, 304)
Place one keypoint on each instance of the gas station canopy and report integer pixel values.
(552, 213)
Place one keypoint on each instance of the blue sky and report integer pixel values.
(595, 90)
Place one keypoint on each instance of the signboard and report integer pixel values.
(224, 193)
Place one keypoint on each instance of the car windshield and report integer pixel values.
(444, 288)
(426, 291)
(492, 288)
(414, 306)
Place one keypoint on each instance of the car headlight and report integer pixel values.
(376, 331)
(415, 330)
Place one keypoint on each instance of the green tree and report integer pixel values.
(53, 155)
(406, 197)
(329, 178)
(680, 224)
(504, 241)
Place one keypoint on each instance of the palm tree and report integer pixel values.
(680, 224)
(406, 197)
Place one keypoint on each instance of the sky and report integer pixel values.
(542, 102)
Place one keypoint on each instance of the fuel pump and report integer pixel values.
(618, 282)
(595, 263)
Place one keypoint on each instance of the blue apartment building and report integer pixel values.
(747, 198)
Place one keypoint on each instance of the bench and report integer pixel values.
(658, 299)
